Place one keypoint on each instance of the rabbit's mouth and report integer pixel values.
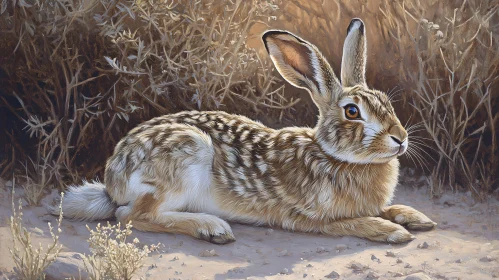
(402, 150)
(396, 151)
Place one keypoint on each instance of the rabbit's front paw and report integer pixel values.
(399, 235)
(408, 217)
(217, 238)
(386, 231)
(216, 231)
(375, 229)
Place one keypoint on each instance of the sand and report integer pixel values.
(465, 245)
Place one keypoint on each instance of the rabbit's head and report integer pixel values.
(356, 124)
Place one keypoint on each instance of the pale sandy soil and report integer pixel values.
(464, 246)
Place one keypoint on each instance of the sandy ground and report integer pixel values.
(464, 246)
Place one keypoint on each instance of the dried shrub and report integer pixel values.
(113, 256)
(31, 261)
(455, 88)
(79, 74)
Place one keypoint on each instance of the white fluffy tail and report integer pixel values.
(87, 202)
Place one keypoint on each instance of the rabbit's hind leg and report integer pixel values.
(147, 215)
(198, 225)
(172, 190)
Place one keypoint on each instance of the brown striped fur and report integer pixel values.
(190, 172)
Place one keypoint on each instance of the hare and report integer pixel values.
(191, 172)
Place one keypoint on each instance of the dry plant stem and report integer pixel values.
(31, 262)
(458, 63)
(113, 256)
(111, 63)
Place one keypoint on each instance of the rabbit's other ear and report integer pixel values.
(302, 65)
(353, 63)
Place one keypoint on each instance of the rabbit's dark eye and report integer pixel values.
(352, 112)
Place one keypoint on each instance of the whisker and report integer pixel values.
(417, 125)
(422, 138)
(410, 132)
(408, 121)
(411, 158)
(392, 93)
(417, 143)
(419, 158)
(414, 130)
(422, 150)
(418, 163)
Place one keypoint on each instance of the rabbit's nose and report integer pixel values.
(396, 140)
(398, 134)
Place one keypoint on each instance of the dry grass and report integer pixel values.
(113, 256)
(79, 74)
(31, 261)
(457, 72)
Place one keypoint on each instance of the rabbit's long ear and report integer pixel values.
(353, 63)
(302, 65)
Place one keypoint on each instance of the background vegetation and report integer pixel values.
(76, 75)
